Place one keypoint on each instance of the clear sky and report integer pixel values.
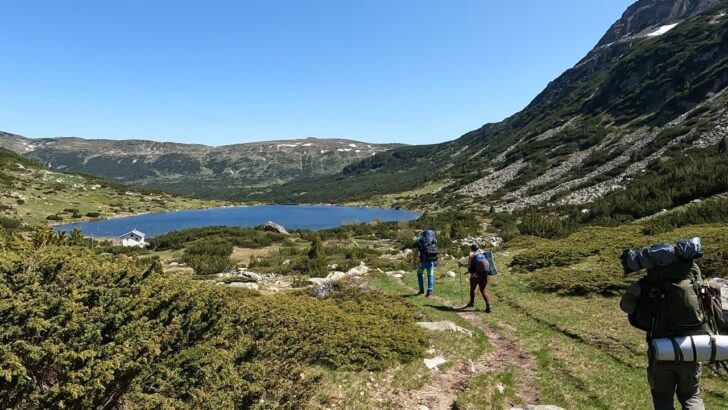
(224, 71)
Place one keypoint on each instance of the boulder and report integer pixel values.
(449, 274)
(336, 275)
(250, 275)
(362, 269)
(271, 226)
(397, 276)
(318, 281)
(244, 285)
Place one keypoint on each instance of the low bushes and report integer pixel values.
(582, 281)
(83, 330)
(208, 256)
(554, 256)
(243, 237)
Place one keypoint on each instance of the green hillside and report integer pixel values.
(33, 195)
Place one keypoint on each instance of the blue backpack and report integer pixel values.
(427, 245)
(482, 262)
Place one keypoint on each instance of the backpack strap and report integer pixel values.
(695, 351)
(679, 357)
(713, 348)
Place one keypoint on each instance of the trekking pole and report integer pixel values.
(460, 276)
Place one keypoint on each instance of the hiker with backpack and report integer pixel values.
(672, 305)
(479, 270)
(426, 252)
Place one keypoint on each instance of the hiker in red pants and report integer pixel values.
(478, 268)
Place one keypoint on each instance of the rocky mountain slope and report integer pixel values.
(187, 167)
(653, 87)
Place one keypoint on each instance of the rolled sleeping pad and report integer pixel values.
(700, 348)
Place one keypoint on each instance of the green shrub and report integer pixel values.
(539, 258)
(82, 330)
(10, 223)
(93, 214)
(54, 217)
(579, 282)
(545, 225)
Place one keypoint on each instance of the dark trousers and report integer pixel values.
(668, 379)
(481, 282)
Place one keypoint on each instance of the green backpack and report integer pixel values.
(669, 301)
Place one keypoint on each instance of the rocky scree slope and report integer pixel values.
(193, 168)
(655, 81)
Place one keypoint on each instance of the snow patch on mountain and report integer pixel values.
(662, 30)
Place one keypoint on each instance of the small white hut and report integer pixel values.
(133, 238)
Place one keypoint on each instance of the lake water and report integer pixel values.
(290, 216)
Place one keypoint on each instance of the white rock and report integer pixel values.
(398, 276)
(336, 275)
(542, 407)
(434, 362)
(244, 285)
(318, 281)
(362, 269)
(500, 388)
(444, 326)
(449, 274)
(395, 272)
(422, 407)
(250, 275)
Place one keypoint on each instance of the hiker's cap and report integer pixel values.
(474, 247)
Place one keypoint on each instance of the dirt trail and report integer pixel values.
(442, 389)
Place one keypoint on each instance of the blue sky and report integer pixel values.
(220, 72)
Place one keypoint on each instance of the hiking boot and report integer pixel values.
(421, 292)
(469, 305)
(427, 295)
(487, 309)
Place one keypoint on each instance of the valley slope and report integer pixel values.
(652, 88)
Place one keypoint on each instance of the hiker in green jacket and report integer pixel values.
(662, 312)
(478, 268)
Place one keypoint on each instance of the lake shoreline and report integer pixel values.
(299, 216)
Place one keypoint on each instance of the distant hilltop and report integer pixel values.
(194, 168)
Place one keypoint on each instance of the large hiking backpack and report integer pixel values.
(428, 246)
(670, 301)
(479, 264)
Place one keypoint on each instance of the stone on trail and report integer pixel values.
(395, 272)
(434, 362)
(449, 274)
(422, 407)
(445, 325)
(397, 276)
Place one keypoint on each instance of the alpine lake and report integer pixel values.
(289, 216)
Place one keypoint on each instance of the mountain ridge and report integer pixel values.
(179, 166)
